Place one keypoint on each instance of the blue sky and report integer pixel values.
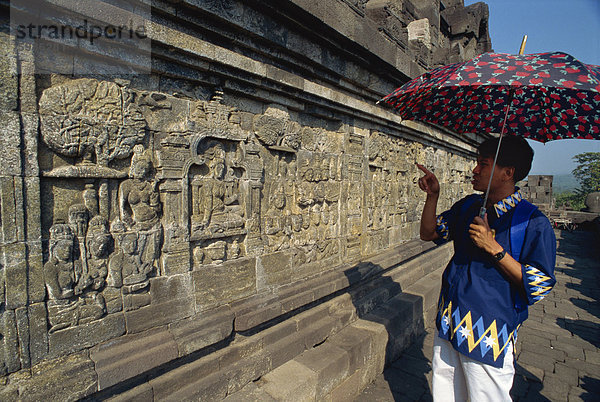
(571, 26)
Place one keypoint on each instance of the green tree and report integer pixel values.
(587, 173)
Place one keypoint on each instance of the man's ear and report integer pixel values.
(509, 173)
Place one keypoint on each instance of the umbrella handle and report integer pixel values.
(482, 212)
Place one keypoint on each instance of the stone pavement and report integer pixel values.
(558, 356)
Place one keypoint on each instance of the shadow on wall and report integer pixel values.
(379, 298)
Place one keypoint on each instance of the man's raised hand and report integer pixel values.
(428, 183)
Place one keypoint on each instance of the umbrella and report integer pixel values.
(542, 96)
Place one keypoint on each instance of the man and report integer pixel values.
(486, 287)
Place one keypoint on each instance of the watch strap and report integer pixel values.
(500, 255)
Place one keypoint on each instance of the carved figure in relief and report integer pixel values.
(61, 270)
(98, 241)
(64, 281)
(126, 265)
(219, 204)
(140, 207)
(276, 222)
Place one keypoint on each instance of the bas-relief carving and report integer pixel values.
(94, 122)
(207, 192)
(111, 235)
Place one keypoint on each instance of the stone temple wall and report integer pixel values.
(249, 158)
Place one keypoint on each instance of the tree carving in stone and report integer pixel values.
(93, 121)
(277, 133)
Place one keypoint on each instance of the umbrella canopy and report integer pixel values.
(543, 96)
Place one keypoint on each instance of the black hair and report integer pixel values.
(514, 152)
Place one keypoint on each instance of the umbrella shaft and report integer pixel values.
(482, 211)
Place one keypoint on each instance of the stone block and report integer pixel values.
(303, 387)
(22, 321)
(285, 349)
(76, 338)
(278, 332)
(330, 363)
(210, 388)
(379, 341)
(158, 314)
(15, 275)
(202, 330)
(171, 300)
(167, 384)
(113, 299)
(67, 378)
(246, 371)
(141, 393)
(9, 90)
(567, 374)
(357, 344)
(35, 272)
(245, 320)
(10, 143)
(130, 355)
(320, 330)
(38, 332)
(135, 301)
(240, 348)
(30, 122)
(348, 389)
(251, 392)
(213, 284)
(10, 360)
(276, 268)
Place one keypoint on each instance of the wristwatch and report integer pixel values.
(500, 255)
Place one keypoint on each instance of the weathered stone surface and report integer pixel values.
(8, 73)
(213, 284)
(202, 330)
(303, 388)
(140, 393)
(10, 141)
(74, 339)
(130, 355)
(15, 275)
(329, 362)
(38, 332)
(170, 301)
(69, 378)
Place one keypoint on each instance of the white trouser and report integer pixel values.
(457, 377)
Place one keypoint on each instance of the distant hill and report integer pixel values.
(564, 182)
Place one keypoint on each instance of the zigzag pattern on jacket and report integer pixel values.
(442, 228)
(503, 206)
(538, 283)
(475, 334)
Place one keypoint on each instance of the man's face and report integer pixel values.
(482, 172)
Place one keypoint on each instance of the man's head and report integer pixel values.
(514, 152)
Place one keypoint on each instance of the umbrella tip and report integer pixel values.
(377, 103)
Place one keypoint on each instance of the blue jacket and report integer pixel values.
(479, 311)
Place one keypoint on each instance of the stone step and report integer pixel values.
(343, 365)
(334, 349)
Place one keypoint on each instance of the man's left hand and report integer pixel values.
(483, 236)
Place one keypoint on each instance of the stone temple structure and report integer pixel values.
(197, 204)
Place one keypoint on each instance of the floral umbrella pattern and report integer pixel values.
(552, 96)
